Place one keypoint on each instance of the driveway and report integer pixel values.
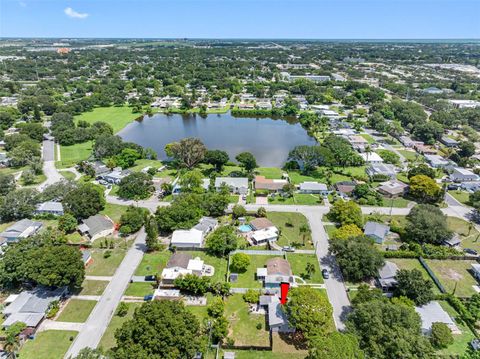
(93, 329)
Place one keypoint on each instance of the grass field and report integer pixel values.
(69, 175)
(454, 276)
(117, 117)
(297, 198)
(50, 344)
(139, 289)
(93, 287)
(248, 279)
(108, 339)
(243, 325)
(461, 341)
(410, 155)
(114, 211)
(77, 311)
(460, 196)
(298, 262)
(413, 263)
(105, 266)
(264, 354)
(71, 155)
(290, 223)
(469, 235)
(153, 262)
(37, 180)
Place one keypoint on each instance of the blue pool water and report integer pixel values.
(244, 228)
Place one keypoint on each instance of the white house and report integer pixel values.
(460, 174)
(264, 236)
(237, 185)
(191, 238)
(314, 188)
(437, 161)
(371, 157)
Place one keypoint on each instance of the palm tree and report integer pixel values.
(304, 231)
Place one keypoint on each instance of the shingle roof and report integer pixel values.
(278, 266)
(96, 224)
(261, 223)
(379, 230)
(179, 259)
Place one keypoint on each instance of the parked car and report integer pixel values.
(325, 274)
(148, 297)
(150, 278)
(470, 251)
(452, 186)
(288, 249)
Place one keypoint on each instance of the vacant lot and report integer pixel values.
(105, 264)
(455, 276)
(153, 263)
(50, 344)
(117, 117)
(71, 155)
(93, 287)
(413, 263)
(77, 311)
(243, 325)
(290, 223)
(108, 339)
(297, 198)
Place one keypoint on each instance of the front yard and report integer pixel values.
(299, 262)
(93, 287)
(108, 339)
(153, 262)
(50, 344)
(290, 223)
(248, 279)
(105, 261)
(76, 311)
(297, 199)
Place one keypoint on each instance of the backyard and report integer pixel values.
(220, 265)
(153, 262)
(50, 344)
(248, 278)
(413, 263)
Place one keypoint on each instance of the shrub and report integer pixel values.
(239, 262)
(122, 309)
(441, 336)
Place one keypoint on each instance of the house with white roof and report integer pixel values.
(237, 185)
(437, 161)
(191, 238)
(264, 236)
(314, 188)
(434, 313)
(460, 174)
(371, 157)
(50, 207)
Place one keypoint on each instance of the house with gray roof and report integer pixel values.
(96, 226)
(30, 307)
(376, 231)
(206, 225)
(437, 161)
(381, 169)
(386, 276)
(448, 141)
(434, 313)
(50, 207)
(277, 319)
(4, 159)
(314, 188)
(238, 185)
(115, 176)
(20, 230)
(460, 174)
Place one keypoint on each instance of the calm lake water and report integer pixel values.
(267, 139)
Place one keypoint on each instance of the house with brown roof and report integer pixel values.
(278, 271)
(261, 223)
(345, 188)
(272, 185)
(393, 188)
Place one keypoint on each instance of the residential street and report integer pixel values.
(92, 331)
(49, 169)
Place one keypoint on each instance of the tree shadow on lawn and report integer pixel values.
(297, 340)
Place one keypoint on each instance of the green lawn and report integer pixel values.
(460, 196)
(50, 344)
(117, 117)
(394, 202)
(270, 172)
(297, 198)
(153, 262)
(233, 198)
(77, 311)
(368, 138)
(71, 155)
(38, 179)
(105, 266)
(290, 223)
(114, 211)
(469, 235)
(413, 263)
(220, 264)
(264, 354)
(12, 170)
(139, 289)
(410, 155)
(69, 175)
(461, 341)
(243, 324)
(248, 279)
(454, 276)
(108, 339)
(93, 287)
(200, 311)
(298, 262)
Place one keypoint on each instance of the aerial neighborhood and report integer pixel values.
(239, 199)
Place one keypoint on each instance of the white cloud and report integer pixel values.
(74, 14)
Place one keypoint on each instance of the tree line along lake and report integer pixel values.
(269, 140)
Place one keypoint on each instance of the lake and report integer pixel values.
(269, 140)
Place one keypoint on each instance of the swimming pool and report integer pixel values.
(244, 228)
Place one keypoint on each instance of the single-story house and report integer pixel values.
(273, 185)
(470, 186)
(115, 176)
(238, 185)
(425, 149)
(434, 313)
(50, 207)
(20, 230)
(449, 142)
(407, 141)
(176, 266)
(460, 174)
(386, 276)
(371, 157)
(314, 188)
(393, 188)
(437, 161)
(4, 160)
(30, 307)
(432, 91)
(99, 167)
(96, 226)
(191, 238)
(264, 236)
(278, 272)
(276, 317)
(376, 169)
(357, 140)
(377, 231)
(345, 188)
(167, 294)
(261, 223)
(206, 225)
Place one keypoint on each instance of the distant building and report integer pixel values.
(371, 157)
(433, 91)
(20, 230)
(437, 161)
(476, 270)
(381, 169)
(50, 207)
(377, 231)
(449, 142)
(96, 226)
(465, 103)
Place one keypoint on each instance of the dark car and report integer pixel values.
(325, 273)
(150, 278)
(471, 251)
(452, 186)
(148, 297)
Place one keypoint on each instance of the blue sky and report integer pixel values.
(317, 19)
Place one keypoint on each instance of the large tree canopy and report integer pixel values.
(159, 329)
(188, 151)
(85, 201)
(427, 224)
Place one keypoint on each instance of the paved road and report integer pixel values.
(96, 324)
(49, 169)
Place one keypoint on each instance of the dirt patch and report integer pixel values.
(451, 274)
